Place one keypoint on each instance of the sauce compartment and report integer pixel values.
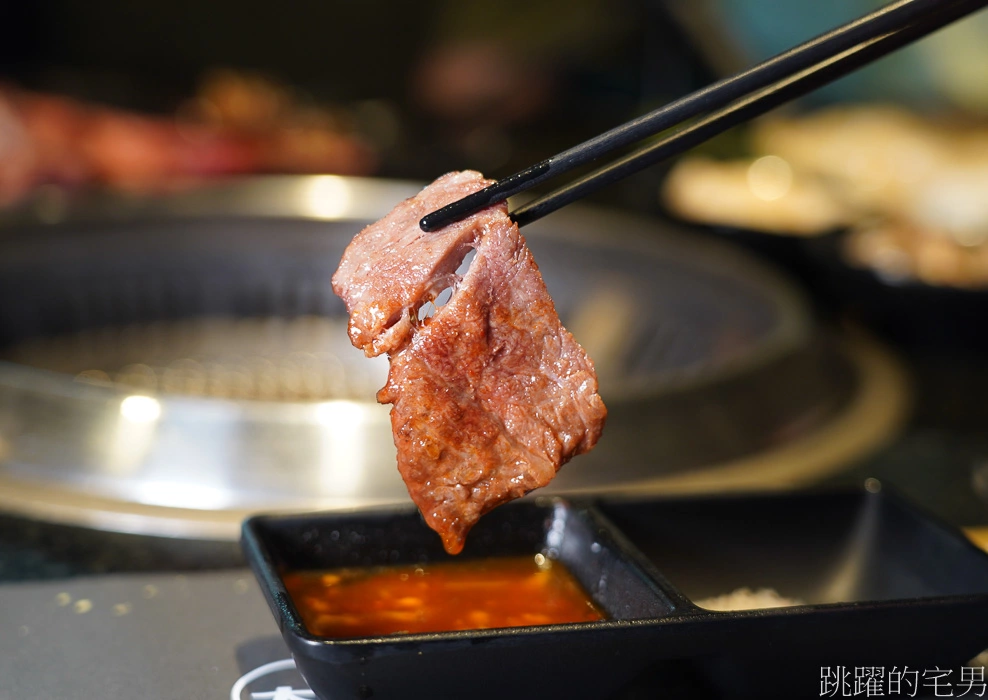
(817, 547)
(525, 661)
(488, 593)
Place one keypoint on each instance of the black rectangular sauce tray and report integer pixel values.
(881, 584)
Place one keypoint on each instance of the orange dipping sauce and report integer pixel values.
(467, 595)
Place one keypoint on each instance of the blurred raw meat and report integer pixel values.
(236, 125)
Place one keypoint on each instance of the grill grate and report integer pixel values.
(308, 358)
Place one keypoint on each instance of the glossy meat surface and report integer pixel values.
(491, 394)
(392, 267)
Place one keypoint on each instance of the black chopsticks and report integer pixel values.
(726, 103)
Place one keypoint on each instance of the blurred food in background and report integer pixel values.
(434, 86)
(760, 194)
(908, 188)
(237, 123)
(899, 251)
(290, 134)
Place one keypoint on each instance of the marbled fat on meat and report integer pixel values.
(491, 395)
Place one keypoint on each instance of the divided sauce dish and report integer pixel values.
(878, 582)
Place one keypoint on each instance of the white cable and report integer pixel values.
(261, 671)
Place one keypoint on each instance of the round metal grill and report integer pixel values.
(169, 365)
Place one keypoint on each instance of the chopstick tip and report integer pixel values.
(428, 222)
